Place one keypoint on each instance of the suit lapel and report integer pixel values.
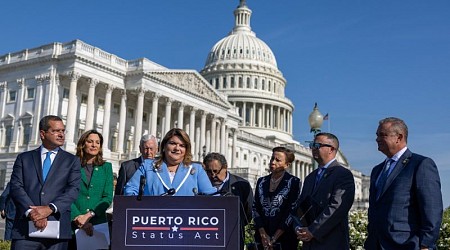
(328, 171)
(38, 164)
(401, 163)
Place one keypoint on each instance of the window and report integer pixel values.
(144, 117)
(101, 103)
(232, 82)
(30, 93)
(12, 96)
(26, 134)
(84, 99)
(248, 82)
(256, 83)
(66, 93)
(130, 113)
(8, 135)
(241, 82)
(224, 83)
(116, 108)
(245, 157)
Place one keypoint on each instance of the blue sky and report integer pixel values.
(360, 60)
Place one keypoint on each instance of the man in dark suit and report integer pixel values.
(44, 183)
(321, 215)
(148, 147)
(230, 184)
(405, 201)
(8, 211)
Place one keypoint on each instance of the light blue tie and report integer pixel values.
(46, 166)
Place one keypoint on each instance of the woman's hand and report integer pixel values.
(88, 228)
(82, 219)
(265, 239)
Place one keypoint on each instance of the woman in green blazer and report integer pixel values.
(96, 187)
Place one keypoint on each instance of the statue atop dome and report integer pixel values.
(242, 3)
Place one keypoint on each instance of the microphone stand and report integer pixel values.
(141, 187)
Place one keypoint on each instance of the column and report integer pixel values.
(233, 149)
(260, 114)
(138, 119)
(192, 124)
(271, 117)
(90, 104)
(212, 147)
(3, 98)
(106, 117)
(202, 130)
(168, 115)
(218, 140)
(223, 137)
(72, 111)
(38, 100)
(263, 116)
(15, 141)
(122, 121)
(180, 115)
(253, 115)
(154, 113)
(244, 114)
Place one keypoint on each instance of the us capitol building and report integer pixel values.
(235, 105)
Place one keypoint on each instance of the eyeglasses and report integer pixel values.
(57, 132)
(213, 172)
(317, 145)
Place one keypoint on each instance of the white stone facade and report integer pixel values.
(236, 105)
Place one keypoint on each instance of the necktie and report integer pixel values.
(383, 177)
(318, 176)
(46, 166)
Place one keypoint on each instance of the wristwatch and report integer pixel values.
(53, 208)
(92, 213)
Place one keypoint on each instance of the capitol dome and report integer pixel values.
(241, 44)
(243, 68)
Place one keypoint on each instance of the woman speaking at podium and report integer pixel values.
(173, 173)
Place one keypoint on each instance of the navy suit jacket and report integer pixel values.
(126, 171)
(29, 189)
(326, 207)
(408, 213)
(7, 204)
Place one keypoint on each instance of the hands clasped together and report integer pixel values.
(303, 234)
(82, 222)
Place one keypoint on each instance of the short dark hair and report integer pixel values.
(215, 156)
(329, 136)
(290, 157)
(44, 122)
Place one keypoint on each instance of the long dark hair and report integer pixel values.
(98, 160)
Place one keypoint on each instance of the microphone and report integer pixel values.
(141, 187)
(169, 192)
(220, 193)
(195, 191)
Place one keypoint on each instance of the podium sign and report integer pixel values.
(176, 222)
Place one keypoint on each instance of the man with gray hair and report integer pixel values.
(148, 148)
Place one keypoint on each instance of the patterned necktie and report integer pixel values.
(383, 177)
(46, 166)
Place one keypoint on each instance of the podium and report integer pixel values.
(176, 222)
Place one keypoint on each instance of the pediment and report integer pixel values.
(191, 82)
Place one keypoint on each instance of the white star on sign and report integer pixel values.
(175, 229)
